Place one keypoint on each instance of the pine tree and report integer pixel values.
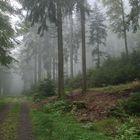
(98, 32)
(118, 21)
(39, 12)
(83, 8)
(6, 33)
(134, 14)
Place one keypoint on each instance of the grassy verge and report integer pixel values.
(122, 88)
(54, 125)
(2, 102)
(9, 127)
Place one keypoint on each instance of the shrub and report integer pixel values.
(132, 106)
(73, 83)
(45, 89)
(128, 131)
(126, 108)
(113, 71)
(59, 106)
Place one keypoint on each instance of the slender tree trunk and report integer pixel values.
(39, 66)
(84, 83)
(54, 69)
(60, 51)
(0, 84)
(35, 69)
(71, 49)
(124, 30)
(98, 61)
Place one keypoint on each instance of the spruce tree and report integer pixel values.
(98, 33)
(118, 20)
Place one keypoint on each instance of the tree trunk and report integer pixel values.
(54, 69)
(71, 49)
(35, 69)
(84, 86)
(98, 61)
(124, 30)
(60, 51)
(39, 66)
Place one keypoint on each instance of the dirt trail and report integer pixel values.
(24, 131)
(3, 114)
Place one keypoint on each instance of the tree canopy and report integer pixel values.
(6, 33)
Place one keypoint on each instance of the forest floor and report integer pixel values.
(52, 118)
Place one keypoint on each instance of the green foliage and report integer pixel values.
(118, 111)
(98, 33)
(134, 14)
(115, 12)
(54, 125)
(128, 107)
(6, 33)
(128, 131)
(73, 83)
(59, 106)
(107, 126)
(45, 89)
(132, 106)
(114, 71)
(2, 102)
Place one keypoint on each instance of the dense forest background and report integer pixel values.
(83, 41)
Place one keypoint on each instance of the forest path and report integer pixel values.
(15, 121)
(3, 114)
(24, 131)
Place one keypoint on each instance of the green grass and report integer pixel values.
(3, 101)
(9, 127)
(54, 125)
(129, 87)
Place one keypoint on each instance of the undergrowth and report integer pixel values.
(54, 123)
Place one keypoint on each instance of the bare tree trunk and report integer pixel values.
(71, 49)
(124, 30)
(98, 61)
(39, 65)
(60, 51)
(84, 83)
(35, 69)
(54, 69)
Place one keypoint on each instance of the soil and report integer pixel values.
(24, 131)
(97, 105)
(3, 112)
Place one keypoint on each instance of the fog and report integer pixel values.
(37, 56)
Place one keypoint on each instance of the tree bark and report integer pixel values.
(39, 66)
(71, 49)
(35, 69)
(124, 30)
(54, 69)
(60, 51)
(98, 61)
(84, 83)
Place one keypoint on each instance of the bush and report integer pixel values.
(126, 108)
(132, 106)
(128, 131)
(59, 106)
(113, 71)
(73, 83)
(45, 89)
